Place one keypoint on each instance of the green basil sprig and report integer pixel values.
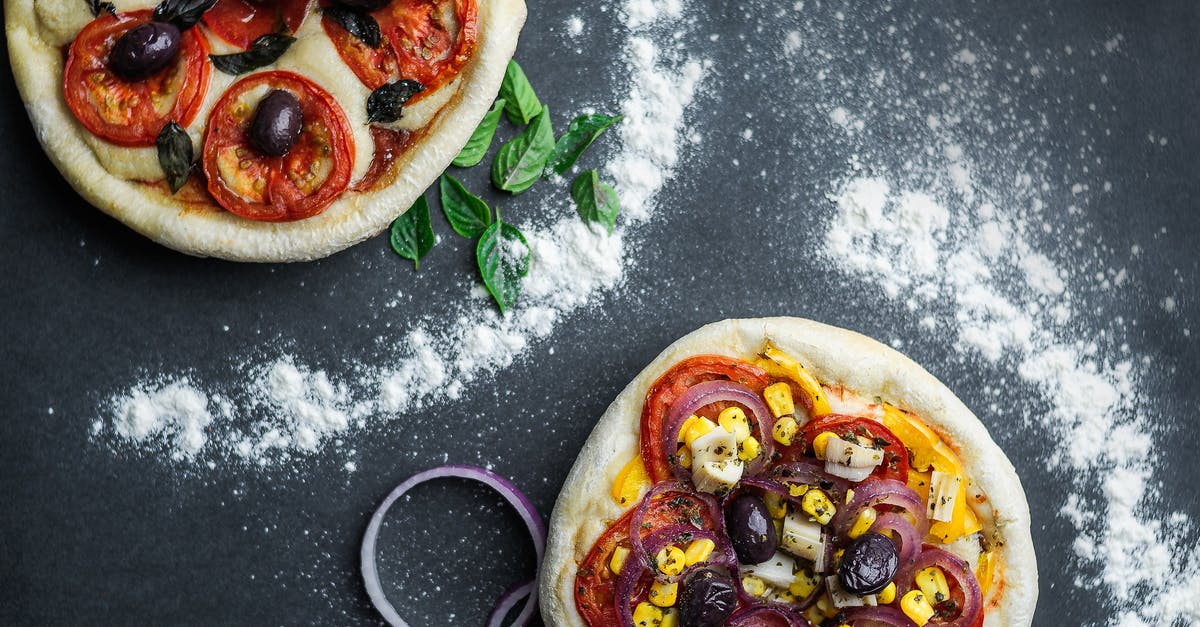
(265, 50)
(412, 235)
(468, 215)
(175, 154)
(503, 256)
(182, 13)
(386, 103)
(360, 24)
(595, 200)
(481, 139)
(520, 162)
(581, 132)
(521, 103)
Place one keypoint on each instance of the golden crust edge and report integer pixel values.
(346, 222)
(836, 356)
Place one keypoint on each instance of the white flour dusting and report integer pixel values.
(298, 411)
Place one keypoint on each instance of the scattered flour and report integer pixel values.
(297, 411)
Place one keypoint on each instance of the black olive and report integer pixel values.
(707, 600)
(365, 5)
(144, 51)
(869, 563)
(751, 530)
(276, 123)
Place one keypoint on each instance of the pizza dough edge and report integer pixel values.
(835, 355)
(38, 67)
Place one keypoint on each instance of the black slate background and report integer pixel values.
(92, 535)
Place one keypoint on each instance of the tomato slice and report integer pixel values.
(428, 41)
(297, 185)
(132, 113)
(895, 456)
(389, 144)
(672, 385)
(595, 584)
(240, 22)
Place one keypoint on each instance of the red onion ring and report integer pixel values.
(813, 474)
(723, 553)
(876, 617)
(766, 616)
(954, 568)
(528, 513)
(635, 522)
(876, 492)
(910, 540)
(710, 392)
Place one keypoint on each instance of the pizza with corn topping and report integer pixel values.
(257, 130)
(782, 472)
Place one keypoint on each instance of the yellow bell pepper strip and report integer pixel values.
(779, 363)
(630, 482)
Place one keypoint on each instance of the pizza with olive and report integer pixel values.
(257, 130)
(782, 472)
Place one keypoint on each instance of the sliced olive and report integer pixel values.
(707, 600)
(868, 564)
(276, 123)
(365, 5)
(751, 530)
(144, 51)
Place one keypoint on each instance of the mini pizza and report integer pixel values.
(257, 130)
(782, 472)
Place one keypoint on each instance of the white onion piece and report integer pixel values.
(846, 472)
(506, 489)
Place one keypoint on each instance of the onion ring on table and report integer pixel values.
(506, 489)
(707, 393)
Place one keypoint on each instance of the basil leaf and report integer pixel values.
(595, 200)
(581, 132)
(503, 257)
(182, 13)
(265, 50)
(175, 154)
(386, 104)
(521, 104)
(97, 7)
(481, 139)
(360, 24)
(468, 215)
(520, 162)
(412, 235)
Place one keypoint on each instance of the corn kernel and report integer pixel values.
(646, 615)
(814, 615)
(698, 551)
(670, 618)
(798, 489)
(776, 506)
(779, 399)
(837, 556)
(733, 419)
(783, 596)
(863, 522)
(684, 455)
(754, 586)
(818, 505)
(806, 583)
(821, 441)
(695, 427)
(784, 430)
(916, 608)
(932, 581)
(849, 495)
(670, 560)
(825, 604)
(748, 449)
(663, 594)
(887, 595)
(617, 561)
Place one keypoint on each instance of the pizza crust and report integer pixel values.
(211, 232)
(835, 356)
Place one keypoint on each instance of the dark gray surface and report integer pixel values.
(89, 535)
